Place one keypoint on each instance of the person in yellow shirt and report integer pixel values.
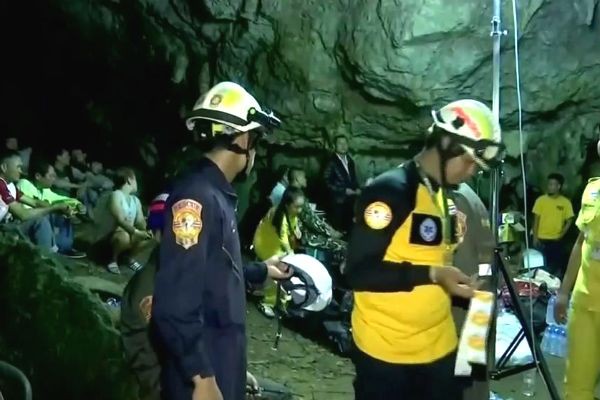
(400, 261)
(278, 234)
(553, 214)
(583, 279)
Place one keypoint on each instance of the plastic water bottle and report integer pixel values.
(554, 340)
(550, 311)
(529, 383)
(562, 341)
(546, 340)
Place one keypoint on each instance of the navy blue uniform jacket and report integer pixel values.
(199, 305)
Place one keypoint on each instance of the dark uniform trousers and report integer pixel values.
(379, 380)
(228, 357)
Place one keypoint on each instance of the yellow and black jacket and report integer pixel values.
(399, 316)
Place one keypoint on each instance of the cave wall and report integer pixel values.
(56, 331)
(369, 69)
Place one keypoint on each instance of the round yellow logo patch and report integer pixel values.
(378, 215)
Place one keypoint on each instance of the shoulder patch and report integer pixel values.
(378, 215)
(187, 222)
(461, 226)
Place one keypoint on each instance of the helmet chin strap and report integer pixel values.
(237, 149)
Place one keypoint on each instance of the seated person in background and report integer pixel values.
(316, 232)
(97, 179)
(79, 165)
(277, 235)
(33, 222)
(553, 217)
(136, 307)
(280, 186)
(12, 144)
(95, 184)
(65, 182)
(43, 178)
(120, 222)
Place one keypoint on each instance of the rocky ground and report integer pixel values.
(305, 362)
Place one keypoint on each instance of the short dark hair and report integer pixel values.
(293, 171)
(557, 177)
(338, 137)
(39, 167)
(122, 175)
(8, 154)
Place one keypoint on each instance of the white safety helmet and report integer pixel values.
(229, 104)
(473, 127)
(310, 286)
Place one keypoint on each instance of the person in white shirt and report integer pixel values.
(282, 184)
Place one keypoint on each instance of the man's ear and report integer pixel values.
(3, 167)
(242, 140)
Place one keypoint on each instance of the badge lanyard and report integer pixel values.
(443, 209)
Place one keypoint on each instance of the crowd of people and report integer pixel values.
(404, 243)
(45, 198)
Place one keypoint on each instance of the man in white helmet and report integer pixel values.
(400, 261)
(199, 307)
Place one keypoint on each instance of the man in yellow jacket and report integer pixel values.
(583, 280)
(400, 259)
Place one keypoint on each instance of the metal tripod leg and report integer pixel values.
(279, 316)
(527, 332)
(510, 350)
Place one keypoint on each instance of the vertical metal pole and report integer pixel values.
(496, 35)
(497, 265)
(495, 176)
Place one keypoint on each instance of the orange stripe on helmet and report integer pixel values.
(468, 121)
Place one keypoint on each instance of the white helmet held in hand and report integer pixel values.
(310, 286)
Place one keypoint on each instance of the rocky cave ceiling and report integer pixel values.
(371, 69)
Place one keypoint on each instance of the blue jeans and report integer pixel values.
(63, 232)
(39, 231)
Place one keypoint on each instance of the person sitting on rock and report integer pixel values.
(65, 182)
(44, 176)
(12, 144)
(120, 222)
(279, 234)
(32, 222)
(136, 310)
